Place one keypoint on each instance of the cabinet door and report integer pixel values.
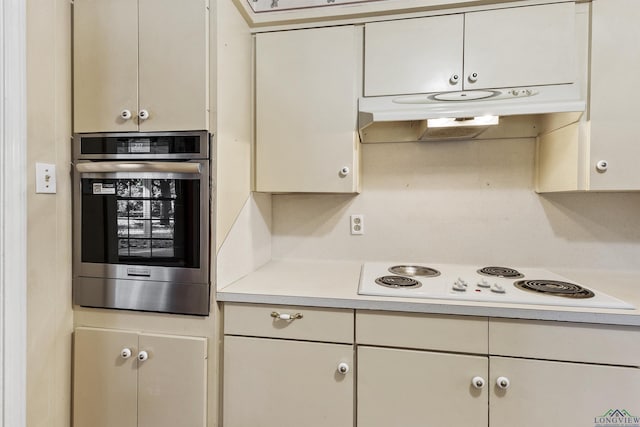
(560, 394)
(172, 382)
(306, 110)
(520, 46)
(173, 64)
(614, 129)
(413, 55)
(286, 383)
(104, 383)
(418, 388)
(105, 64)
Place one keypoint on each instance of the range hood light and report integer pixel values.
(465, 121)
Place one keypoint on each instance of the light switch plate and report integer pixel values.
(45, 178)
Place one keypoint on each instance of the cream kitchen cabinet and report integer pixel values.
(130, 379)
(585, 374)
(521, 46)
(545, 393)
(601, 152)
(427, 373)
(401, 384)
(140, 65)
(307, 88)
(287, 366)
(398, 387)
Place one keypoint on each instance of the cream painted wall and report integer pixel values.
(49, 315)
(460, 202)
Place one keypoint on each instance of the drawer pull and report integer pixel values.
(285, 316)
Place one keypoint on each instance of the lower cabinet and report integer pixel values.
(130, 379)
(292, 366)
(534, 393)
(280, 375)
(287, 383)
(563, 374)
(425, 385)
(420, 388)
(417, 388)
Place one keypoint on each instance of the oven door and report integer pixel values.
(141, 235)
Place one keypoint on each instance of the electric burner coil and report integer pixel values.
(505, 272)
(398, 282)
(554, 287)
(414, 270)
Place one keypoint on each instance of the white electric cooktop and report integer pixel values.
(480, 283)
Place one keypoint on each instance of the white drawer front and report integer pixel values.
(578, 342)
(305, 323)
(429, 332)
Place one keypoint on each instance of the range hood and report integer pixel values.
(522, 112)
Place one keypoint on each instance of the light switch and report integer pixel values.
(45, 178)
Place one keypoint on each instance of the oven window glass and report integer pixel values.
(141, 221)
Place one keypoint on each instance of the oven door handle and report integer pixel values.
(166, 167)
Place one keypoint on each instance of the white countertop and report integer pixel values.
(335, 284)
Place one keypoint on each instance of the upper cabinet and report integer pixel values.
(140, 65)
(601, 152)
(521, 46)
(613, 133)
(307, 87)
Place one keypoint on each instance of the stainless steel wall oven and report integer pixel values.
(142, 221)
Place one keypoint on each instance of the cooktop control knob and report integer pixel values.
(461, 282)
(483, 284)
(459, 285)
(497, 288)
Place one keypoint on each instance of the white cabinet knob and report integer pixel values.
(344, 171)
(454, 79)
(602, 166)
(503, 383)
(125, 114)
(143, 355)
(125, 353)
(478, 382)
(343, 368)
(473, 77)
(143, 114)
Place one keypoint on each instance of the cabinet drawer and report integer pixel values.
(578, 342)
(316, 324)
(429, 332)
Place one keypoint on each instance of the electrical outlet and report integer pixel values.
(357, 224)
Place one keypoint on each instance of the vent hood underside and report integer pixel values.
(524, 112)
